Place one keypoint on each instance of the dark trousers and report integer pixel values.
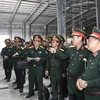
(8, 73)
(36, 75)
(20, 77)
(55, 77)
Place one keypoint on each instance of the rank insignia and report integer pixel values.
(95, 54)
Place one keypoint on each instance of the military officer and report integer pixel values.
(36, 58)
(31, 44)
(76, 63)
(64, 68)
(18, 54)
(7, 53)
(90, 80)
(54, 65)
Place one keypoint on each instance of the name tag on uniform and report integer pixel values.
(80, 55)
(40, 52)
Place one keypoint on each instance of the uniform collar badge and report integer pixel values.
(82, 48)
(95, 54)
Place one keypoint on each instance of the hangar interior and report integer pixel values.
(26, 18)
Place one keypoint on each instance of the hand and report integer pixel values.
(5, 57)
(78, 84)
(15, 55)
(52, 50)
(28, 59)
(63, 75)
(46, 73)
(83, 84)
(37, 59)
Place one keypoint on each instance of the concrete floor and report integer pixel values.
(10, 94)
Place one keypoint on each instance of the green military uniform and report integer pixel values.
(54, 66)
(76, 66)
(19, 55)
(7, 63)
(92, 73)
(64, 68)
(36, 68)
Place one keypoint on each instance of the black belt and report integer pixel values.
(92, 93)
(71, 78)
(54, 67)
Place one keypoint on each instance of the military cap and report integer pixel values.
(7, 40)
(61, 38)
(37, 37)
(78, 32)
(50, 36)
(26, 42)
(23, 40)
(17, 39)
(57, 38)
(95, 33)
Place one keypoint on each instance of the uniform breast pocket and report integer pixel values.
(92, 66)
(40, 53)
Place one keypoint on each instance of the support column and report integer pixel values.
(24, 31)
(10, 31)
(30, 29)
(46, 30)
(98, 13)
(61, 17)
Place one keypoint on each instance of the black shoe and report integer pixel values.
(29, 95)
(35, 89)
(49, 85)
(5, 78)
(21, 90)
(15, 82)
(16, 88)
(8, 80)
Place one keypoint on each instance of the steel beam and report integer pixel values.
(15, 11)
(46, 5)
(33, 11)
(61, 17)
(51, 20)
(98, 13)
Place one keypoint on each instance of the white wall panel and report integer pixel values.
(4, 34)
(16, 32)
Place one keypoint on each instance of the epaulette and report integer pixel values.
(41, 47)
(71, 46)
(10, 46)
(22, 48)
(31, 47)
(61, 49)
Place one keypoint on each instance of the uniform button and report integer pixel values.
(90, 67)
(79, 58)
(74, 58)
(72, 64)
(52, 60)
(90, 60)
(87, 67)
(76, 52)
(83, 74)
(34, 65)
(70, 70)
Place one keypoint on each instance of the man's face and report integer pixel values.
(92, 43)
(17, 42)
(54, 43)
(36, 43)
(8, 43)
(76, 40)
